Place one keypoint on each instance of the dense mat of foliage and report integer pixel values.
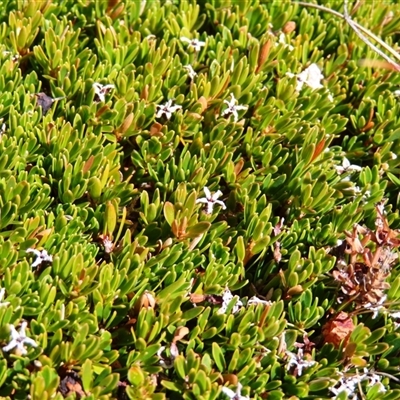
(198, 201)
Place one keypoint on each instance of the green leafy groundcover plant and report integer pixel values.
(198, 200)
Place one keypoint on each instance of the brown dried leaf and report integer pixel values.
(145, 93)
(264, 51)
(238, 167)
(88, 164)
(204, 103)
(126, 124)
(175, 228)
(180, 333)
(117, 11)
(155, 129)
(197, 298)
(295, 290)
(289, 27)
(146, 300)
(338, 329)
(231, 378)
(318, 150)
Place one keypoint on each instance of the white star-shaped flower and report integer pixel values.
(226, 299)
(191, 72)
(347, 167)
(41, 256)
(211, 200)
(233, 108)
(102, 90)
(19, 340)
(167, 109)
(196, 44)
(298, 361)
(235, 395)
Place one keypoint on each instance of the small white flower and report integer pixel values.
(255, 300)
(233, 107)
(395, 314)
(211, 200)
(167, 109)
(19, 340)
(311, 76)
(349, 384)
(191, 72)
(108, 245)
(14, 57)
(374, 379)
(160, 351)
(282, 40)
(393, 156)
(367, 194)
(235, 395)
(298, 361)
(397, 93)
(194, 43)
(2, 293)
(226, 299)
(347, 167)
(168, 362)
(102, 90)
(41, 256)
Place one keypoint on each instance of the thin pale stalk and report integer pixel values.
(365, 39)
(360, 28)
